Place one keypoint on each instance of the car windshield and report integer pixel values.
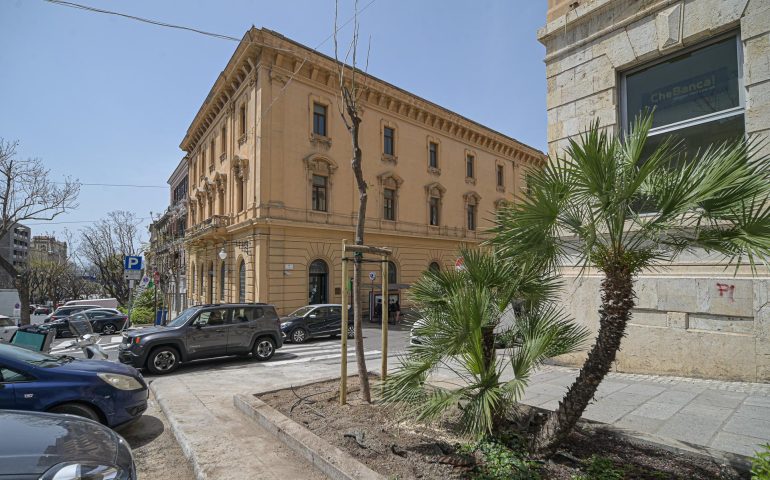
(301, 312)
(183, 317)
(12, 352)
(6, 322)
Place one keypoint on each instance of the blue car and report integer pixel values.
(107, 392)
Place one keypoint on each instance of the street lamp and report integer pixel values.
(222, 253)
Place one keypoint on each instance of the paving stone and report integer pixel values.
(719, 399)
(643, 389)
(547, 389)
(608, 411)
(752, 427)
(657, 410)
(751, 411)
(623, 398)
(636, 423)
(606, 388)
(678, 397)
(757, 401)
(740, 444)
(707, 411)
(695, 429)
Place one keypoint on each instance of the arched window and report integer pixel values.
(392, 273)
(434, 267)
(318, 282)
(242, 282)
(222, 281)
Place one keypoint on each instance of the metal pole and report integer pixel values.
(130, 299)
(385, 303)
(344, 331)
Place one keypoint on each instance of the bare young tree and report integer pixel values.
(350, 111)
(104, 245)
(27, 193)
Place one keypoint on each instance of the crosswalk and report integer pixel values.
(314, 351)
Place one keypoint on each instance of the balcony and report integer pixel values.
(209, 225)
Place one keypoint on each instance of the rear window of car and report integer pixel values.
(6, 322)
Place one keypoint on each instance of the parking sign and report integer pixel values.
(131, 262)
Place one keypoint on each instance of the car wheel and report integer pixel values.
(108, 329)
(77, 409)
(163, 360)
(264, 348)
(298, 335)
(351, 331)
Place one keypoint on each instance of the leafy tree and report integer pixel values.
(620, 209)
(460, 313)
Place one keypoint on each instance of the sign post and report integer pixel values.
(344, 331)
(132, 271)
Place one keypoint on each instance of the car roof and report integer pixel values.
(207, 305)
(324, 305)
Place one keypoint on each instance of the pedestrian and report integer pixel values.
(377, 311)
(397, 310)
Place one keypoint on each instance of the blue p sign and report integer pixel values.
(132, 262)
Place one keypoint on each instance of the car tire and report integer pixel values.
(163, 360)
(298, 335)
(109, 329)
(78, 409)
(264, 349)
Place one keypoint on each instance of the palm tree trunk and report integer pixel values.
(617, 301)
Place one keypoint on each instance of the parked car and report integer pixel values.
(37, 445)
(66, 311)
(42, 310)
(314, 321)
(7, 328)
(104, 321)
(100, 390)
(204, 331)
(99, 302)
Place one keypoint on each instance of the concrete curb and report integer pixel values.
(332, 461)
(181, 438)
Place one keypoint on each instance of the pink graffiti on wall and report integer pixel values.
(726, 289)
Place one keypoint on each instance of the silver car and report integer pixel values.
(7, 328)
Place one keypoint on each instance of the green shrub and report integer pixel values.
(502, 462)
(600, 468)
(760, 464)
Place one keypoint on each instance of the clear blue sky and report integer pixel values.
(107, 100)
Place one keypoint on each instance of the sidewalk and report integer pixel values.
(222, 444)
(730, 416)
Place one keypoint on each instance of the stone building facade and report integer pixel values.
(272, 194)
(166, 254)
(45, 248)
(704, 65)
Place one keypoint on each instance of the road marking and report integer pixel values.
(317, 358)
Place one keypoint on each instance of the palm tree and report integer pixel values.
(619, 209)
(460, 313)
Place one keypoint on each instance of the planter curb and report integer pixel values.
(332, 461)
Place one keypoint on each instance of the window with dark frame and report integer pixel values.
(223, 137)
(469, 160)
(434, 206)
(242, 120)
(319, 119)
(212, 152)
(500, 176)
(389, 204)
(433, 155)
(319, 193)
(389, 141)
(471, 217)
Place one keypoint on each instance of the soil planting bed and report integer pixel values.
(375, 436)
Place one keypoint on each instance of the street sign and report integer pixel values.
(372, 275)
(132, 262)
(132, 274)
(156, 276)
(145, 281)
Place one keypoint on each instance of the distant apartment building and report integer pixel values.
(46, 248)
(14, 248)
(704, 67)
(166, 254)
(272, 193)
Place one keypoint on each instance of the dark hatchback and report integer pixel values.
(63, 312)
(104, 391)
(313, 321)
(204, 331)
(50, 447)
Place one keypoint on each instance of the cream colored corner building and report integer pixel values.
(705, 66)
(272, 191)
